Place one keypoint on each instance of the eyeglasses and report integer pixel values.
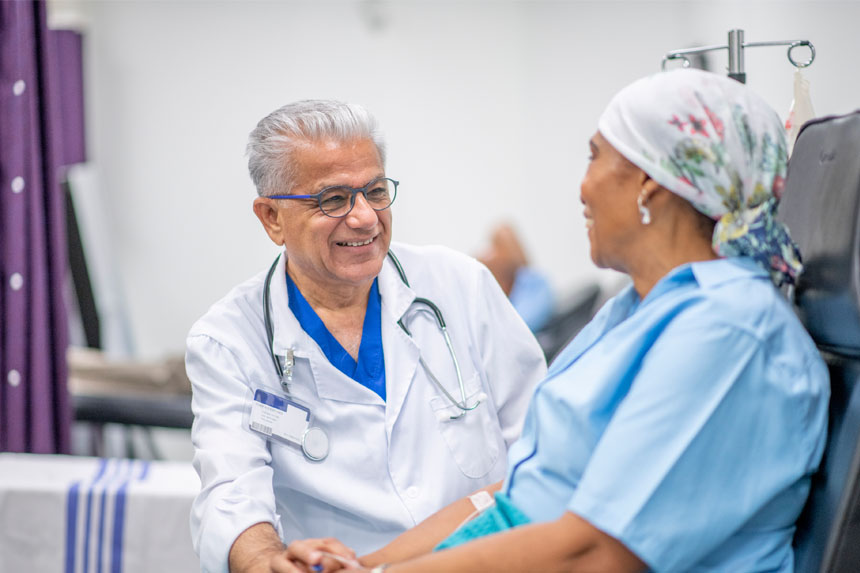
(338, 201)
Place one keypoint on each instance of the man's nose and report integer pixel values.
(362, 214)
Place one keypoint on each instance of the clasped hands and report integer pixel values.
(317, 555)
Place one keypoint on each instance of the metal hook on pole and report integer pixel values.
(735, 47)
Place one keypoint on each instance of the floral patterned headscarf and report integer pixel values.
(718, 145)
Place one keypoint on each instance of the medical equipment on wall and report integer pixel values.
(285, 371)
(735, 47)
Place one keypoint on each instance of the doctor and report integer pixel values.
(356, 386)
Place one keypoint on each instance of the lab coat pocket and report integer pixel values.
(474, 437)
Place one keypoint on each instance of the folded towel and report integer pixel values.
(499, 517)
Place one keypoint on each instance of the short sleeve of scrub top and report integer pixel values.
(691, 409)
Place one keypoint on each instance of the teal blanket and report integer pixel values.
(500, 517)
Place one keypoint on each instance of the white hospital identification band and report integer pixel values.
(481, 500)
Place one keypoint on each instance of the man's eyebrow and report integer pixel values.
(369, 181)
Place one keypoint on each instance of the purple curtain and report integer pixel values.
(35, 411)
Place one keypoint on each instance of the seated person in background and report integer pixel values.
(528, 290)
(327, 400)
(679, 430)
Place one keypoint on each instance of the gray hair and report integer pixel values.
(271, 144)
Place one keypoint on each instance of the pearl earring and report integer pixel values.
(644, 212)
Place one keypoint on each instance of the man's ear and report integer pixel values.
(267, 213)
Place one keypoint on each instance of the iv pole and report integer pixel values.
(736, 46)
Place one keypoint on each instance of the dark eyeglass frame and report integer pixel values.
(353, 190)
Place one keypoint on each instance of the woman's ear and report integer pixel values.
(267, 212)
(649, 187)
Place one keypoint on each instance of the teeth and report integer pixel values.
(588, 223)
(367, 242)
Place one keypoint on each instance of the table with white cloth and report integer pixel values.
(95, 515)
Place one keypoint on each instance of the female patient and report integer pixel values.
(679, 430)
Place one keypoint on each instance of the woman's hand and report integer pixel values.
(327, 554)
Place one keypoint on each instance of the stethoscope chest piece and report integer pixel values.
(315, 444)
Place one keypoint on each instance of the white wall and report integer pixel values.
(487, 108)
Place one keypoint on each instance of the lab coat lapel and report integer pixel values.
(287, 332)
(328, 382)
(401, 352)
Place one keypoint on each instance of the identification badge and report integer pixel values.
(278, 417)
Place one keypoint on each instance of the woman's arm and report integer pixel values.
(567, 544)
(415, 542)
(428, 534)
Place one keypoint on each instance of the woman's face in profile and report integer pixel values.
(608, 192)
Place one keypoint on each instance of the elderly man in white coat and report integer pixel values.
(357, 386)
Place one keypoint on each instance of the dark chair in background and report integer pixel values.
(136, 395)
(821, 206)
(572, 314)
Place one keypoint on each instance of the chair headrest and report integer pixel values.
(821, 206)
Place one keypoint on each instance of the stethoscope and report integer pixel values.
(314, 437)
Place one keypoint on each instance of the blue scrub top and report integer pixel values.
(686, 425)
(369, 371)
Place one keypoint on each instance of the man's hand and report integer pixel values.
(258, 549)
(255, 548)
(326, 555)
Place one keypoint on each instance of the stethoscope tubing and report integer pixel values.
(267, 315)
(461, 405)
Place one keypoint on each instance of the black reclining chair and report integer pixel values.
(821, 206)
(574, 314)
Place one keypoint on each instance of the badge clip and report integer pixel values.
(289, 362)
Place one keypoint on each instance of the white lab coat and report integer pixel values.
(390, 464)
